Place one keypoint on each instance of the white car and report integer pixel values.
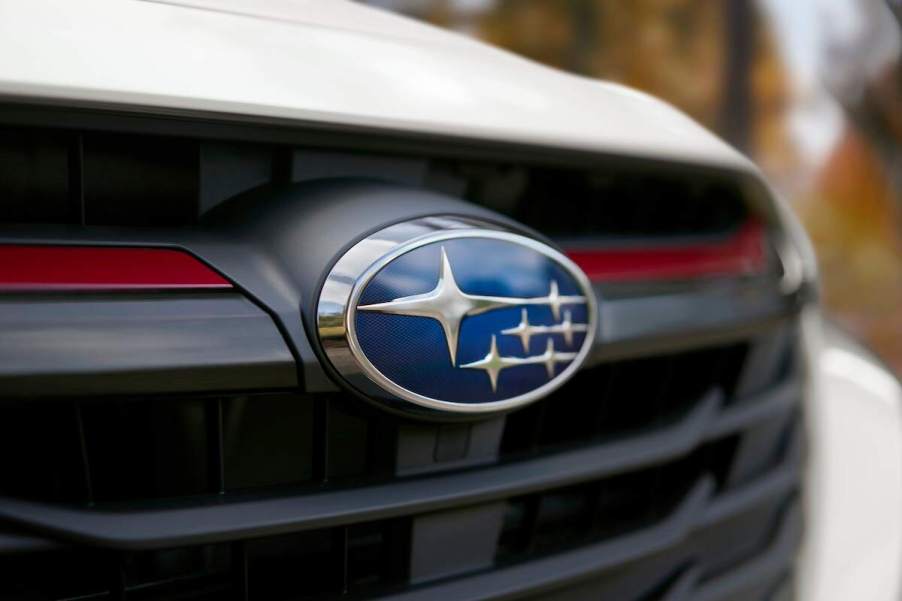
(304, 300)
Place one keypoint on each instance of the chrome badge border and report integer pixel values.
(336, 309)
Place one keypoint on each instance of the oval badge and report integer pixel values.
(458, 319)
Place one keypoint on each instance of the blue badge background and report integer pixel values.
(412, 351)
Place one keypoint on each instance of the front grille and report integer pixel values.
(128, 449)
(114, 179)
(672, 437)
(668, 468)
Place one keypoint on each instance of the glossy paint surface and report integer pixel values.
(329, 62)
(853, 548)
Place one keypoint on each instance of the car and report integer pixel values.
(311, 301)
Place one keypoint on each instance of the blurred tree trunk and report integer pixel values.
(583, 15)
(736, 100)
(872, 98)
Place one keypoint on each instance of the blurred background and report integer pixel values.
(809, 89)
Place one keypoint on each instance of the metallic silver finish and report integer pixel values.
(446, 303)
(494, 362)
(525, 330)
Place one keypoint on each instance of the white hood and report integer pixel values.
(329, 61)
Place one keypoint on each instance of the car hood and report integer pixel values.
(326, 61)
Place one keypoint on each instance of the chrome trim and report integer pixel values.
(348, 278)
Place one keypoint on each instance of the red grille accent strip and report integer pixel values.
(42, 268)
(741, 254)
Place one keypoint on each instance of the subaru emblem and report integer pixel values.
(446, 315)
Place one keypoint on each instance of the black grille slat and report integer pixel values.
(616, 399)
(699, 508)
(257, 423)
(565, 568)
(244, 518)
(771, 564)
(88, 481)
(321, 443)
(13, 541)
(215, 445)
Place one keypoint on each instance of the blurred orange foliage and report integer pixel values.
(851, 219)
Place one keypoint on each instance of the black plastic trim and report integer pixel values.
(545, 575)
(184, 524)
(11, 544)
(138, 343)
(775, 561)
(712, 313)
